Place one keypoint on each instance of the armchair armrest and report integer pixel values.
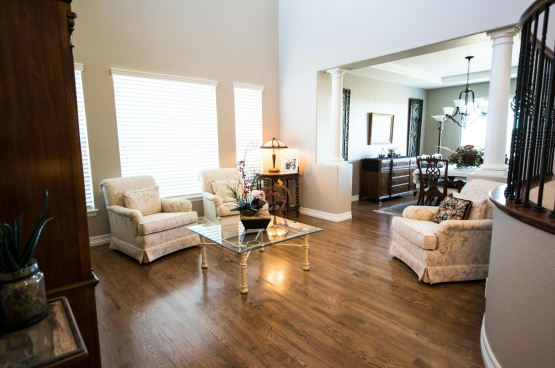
(176, 205)
(465, 238)
(212, 198)
(422, 213)
(135, 215)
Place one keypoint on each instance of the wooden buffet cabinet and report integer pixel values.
(382, 178)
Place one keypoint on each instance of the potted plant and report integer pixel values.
(22, 291)
(250, 210)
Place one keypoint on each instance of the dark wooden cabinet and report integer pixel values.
(40, 150)
(386, 177)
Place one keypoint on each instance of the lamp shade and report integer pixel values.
(438, 117)
(273, 143)
(448, 110)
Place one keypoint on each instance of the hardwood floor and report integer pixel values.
(356, 307)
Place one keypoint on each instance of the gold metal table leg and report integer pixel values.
(306, 265)
(244, 289)
(203, 250)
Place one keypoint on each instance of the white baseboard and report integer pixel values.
(354, 198)
(487, 354)
(99, 240)
(326, 215)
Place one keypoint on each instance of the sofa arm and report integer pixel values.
(135, 215)
(465, 238)
(422, 213)
(212, 198)
(176, 205)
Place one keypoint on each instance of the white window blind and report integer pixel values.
(83, 137)
(167, 128)
(248, 125)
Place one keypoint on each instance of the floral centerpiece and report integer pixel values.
(467, 156)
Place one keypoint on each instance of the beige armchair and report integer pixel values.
(454, 250)
(216, 207)
(147, 238)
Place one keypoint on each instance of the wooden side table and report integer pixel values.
(53, 342)
(284, 177)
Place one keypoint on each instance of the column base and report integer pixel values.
(491, 175)
(339, 161)
(494, 167)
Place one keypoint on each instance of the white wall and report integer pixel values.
(317, 35)
(367, 95)
(226, 41)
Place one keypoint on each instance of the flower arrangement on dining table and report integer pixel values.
(467, 156)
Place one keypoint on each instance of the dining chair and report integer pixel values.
(429, 177)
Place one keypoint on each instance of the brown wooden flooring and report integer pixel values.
(356, 307)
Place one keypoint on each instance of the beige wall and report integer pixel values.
(226, 41)
(438, 98)
(519, 322)
(367, 95)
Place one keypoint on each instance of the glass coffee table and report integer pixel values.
(230, 234)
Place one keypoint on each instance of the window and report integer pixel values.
(475, 134)
(248, 125)
(167, 128)
(83, 137)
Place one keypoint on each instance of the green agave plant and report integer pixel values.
(10, 242)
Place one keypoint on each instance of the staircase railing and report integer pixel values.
(533, 139)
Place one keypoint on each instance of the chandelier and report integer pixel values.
(467, 108)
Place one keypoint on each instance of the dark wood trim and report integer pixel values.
(71, 288)
(532, 9)
(527, 215)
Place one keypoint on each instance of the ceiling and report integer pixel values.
(440, 69)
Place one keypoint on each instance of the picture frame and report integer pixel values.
(380, 128)
(289, 164)
(416, 106)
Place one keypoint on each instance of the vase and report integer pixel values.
(260, 220)
(22, 298)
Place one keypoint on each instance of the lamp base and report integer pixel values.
(274, 170)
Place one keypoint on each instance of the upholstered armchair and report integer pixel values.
(453, 250)
(147, 237)
(218, 206)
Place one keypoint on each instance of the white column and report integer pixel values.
(336, 109)
(499, 90)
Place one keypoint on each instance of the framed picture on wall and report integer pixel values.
(380, 128)
(289, 164)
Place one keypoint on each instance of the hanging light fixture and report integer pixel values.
(468, 108)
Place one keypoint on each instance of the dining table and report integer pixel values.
(452, 172)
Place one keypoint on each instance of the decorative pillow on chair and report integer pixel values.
(478, 209)
(220, 189)
(452, 209)
(147, 200)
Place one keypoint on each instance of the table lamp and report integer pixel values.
(273, 144)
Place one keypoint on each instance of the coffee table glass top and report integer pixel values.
(231, 234)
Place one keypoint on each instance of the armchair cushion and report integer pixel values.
(165, 221)
(225, 209)
(146, 200)
(479, 206)
(421, 233)
(212, 198)
(220, 189)
(452, 208)
(176, 205)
